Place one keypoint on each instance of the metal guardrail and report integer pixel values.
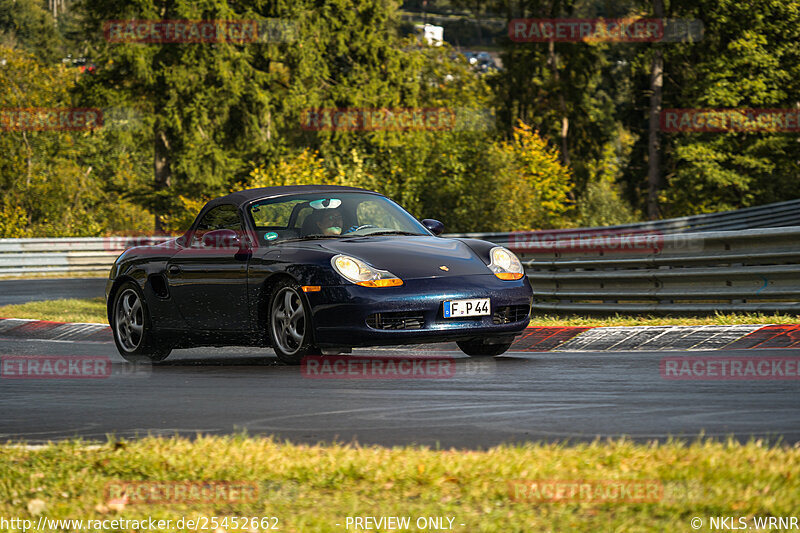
(777, 215)
(597, 272)
(696, 265)
(698, 273)
(64, 255)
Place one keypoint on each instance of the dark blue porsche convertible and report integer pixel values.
(314, 270)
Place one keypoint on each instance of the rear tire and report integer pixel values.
(479, 349)
(289, 324)
(133, 332)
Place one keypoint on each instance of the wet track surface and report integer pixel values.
(19, 291)
(520, 397)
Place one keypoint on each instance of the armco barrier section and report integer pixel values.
(692, 273)
(778, 215)
(64, 255)
(600, 271)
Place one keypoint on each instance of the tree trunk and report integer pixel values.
(654, 139)
(161, 170)
(476, 13)
(28, 161)
(553, 60)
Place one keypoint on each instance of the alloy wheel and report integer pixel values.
(288, 320)
(129, 320)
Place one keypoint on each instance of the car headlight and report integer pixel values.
(505, 264)
(360, 273)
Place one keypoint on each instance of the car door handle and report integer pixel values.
(174, 270)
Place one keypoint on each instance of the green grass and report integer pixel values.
(718, 319)
(94, 310)
(312, 488)
(103, 274)
(70, 310)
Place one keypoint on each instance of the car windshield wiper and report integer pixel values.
(312, 238)
(389, 232)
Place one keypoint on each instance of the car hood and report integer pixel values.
(411, 257)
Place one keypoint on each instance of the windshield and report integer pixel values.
(330, 215)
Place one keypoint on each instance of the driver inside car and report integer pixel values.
(330, 223)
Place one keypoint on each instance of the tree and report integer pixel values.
(749, 58)
(27, 25)
(203, 106)
(212, 111)
(46, 175)
(558, 87)
(653, 140)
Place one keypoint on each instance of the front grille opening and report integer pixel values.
(511, 313)
(402, 320)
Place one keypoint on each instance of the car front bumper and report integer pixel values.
(345, 315)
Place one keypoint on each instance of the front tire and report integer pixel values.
(477, 348)
(132, 328)
(290, 329)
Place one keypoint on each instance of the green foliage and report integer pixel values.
(542, 85)
(220, 116)
(306, 168)
(601, 202)
(13, 220)
(533, 187)
(28, 24)
(454, 177)
(749, 58)
(46, 177)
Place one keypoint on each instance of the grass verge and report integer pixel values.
(649, 320)
(314, 488)
(94, 310)
(100, 274)
(69, 310)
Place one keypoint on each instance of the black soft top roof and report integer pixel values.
(239, 198)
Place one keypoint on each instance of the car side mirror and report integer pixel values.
(222, 238)
(434, 226)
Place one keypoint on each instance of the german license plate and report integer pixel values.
(476, 307)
